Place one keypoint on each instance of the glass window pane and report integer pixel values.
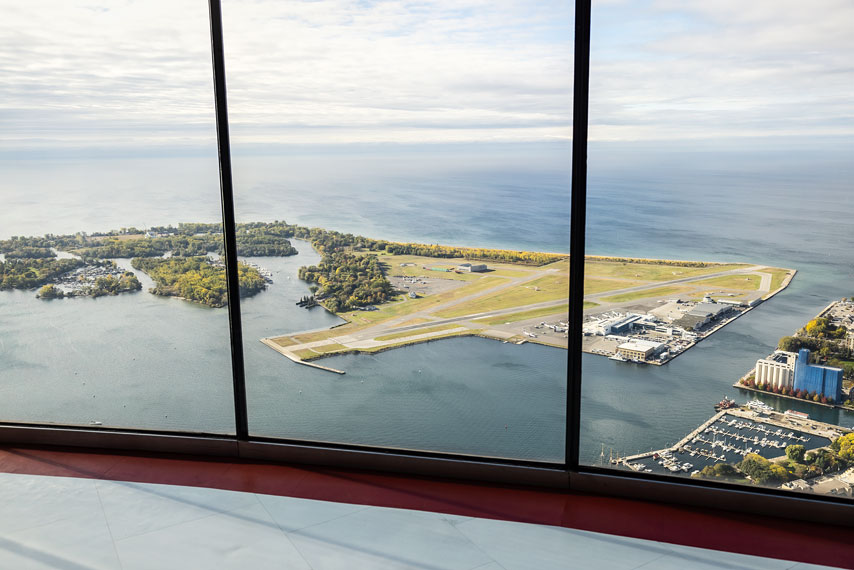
(721, 137)
(107, 144)
(404, 145)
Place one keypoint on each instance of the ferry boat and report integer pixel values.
(796, 414)
(725, 404)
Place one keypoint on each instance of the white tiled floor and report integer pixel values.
(82, 524)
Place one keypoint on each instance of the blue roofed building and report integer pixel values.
(823, 380)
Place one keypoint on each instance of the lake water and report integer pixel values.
(155, 363)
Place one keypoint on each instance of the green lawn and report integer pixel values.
(593, 286)
(749, 282)
(332, 347)
(548, 288)
(650, 271)
(657, 292)
(414, 332)
(563, 310)
(777, 277)
(313, 337)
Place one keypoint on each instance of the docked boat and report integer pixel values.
(725, 404)
(760, 407)
(796, 414)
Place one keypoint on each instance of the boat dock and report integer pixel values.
(732, 434)
(699, 430)
(294, 358)
(680, 443)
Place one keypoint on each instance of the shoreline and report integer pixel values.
(795, 398)
(365, 334)
(741, 386)
(311, 360)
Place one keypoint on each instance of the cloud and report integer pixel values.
(312, 71)
(76, 73)
(692, 69)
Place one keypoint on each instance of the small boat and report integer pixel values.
(725, 404)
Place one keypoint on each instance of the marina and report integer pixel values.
(730, 435)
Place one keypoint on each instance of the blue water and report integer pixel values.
(756, 202)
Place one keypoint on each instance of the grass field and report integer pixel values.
(593, 285)
(418, 321)
(532, 314)
(549, 288)
(748, 282)
(777, 277)
(331, 347)
(650, 271)
(658, 292)
(310, 337)
(425, 330)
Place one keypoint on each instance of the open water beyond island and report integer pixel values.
(161, 363)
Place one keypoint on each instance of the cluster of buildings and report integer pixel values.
(664, 331)
(794, 371)
(841, 314)
(704, 313)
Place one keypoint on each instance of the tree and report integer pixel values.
(796, 453)
(762, 471)
(844, 447)
(50, 292)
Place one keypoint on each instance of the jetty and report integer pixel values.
(294, 358)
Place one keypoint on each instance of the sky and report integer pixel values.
(96, 75)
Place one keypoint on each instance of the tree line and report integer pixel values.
(673, 262)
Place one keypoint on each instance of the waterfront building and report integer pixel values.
(778, 370)
(469, 268)
(613, 325)
(691, 322)
(710, 311)
(823, 380)
(640, 349)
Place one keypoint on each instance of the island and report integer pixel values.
(392, 294)
(518, 297)
(183, 261)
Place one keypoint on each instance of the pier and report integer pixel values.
(294, 358)
(682, 442)
(699, 430)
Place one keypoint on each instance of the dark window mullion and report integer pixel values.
(227, 192)
(578, 202)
